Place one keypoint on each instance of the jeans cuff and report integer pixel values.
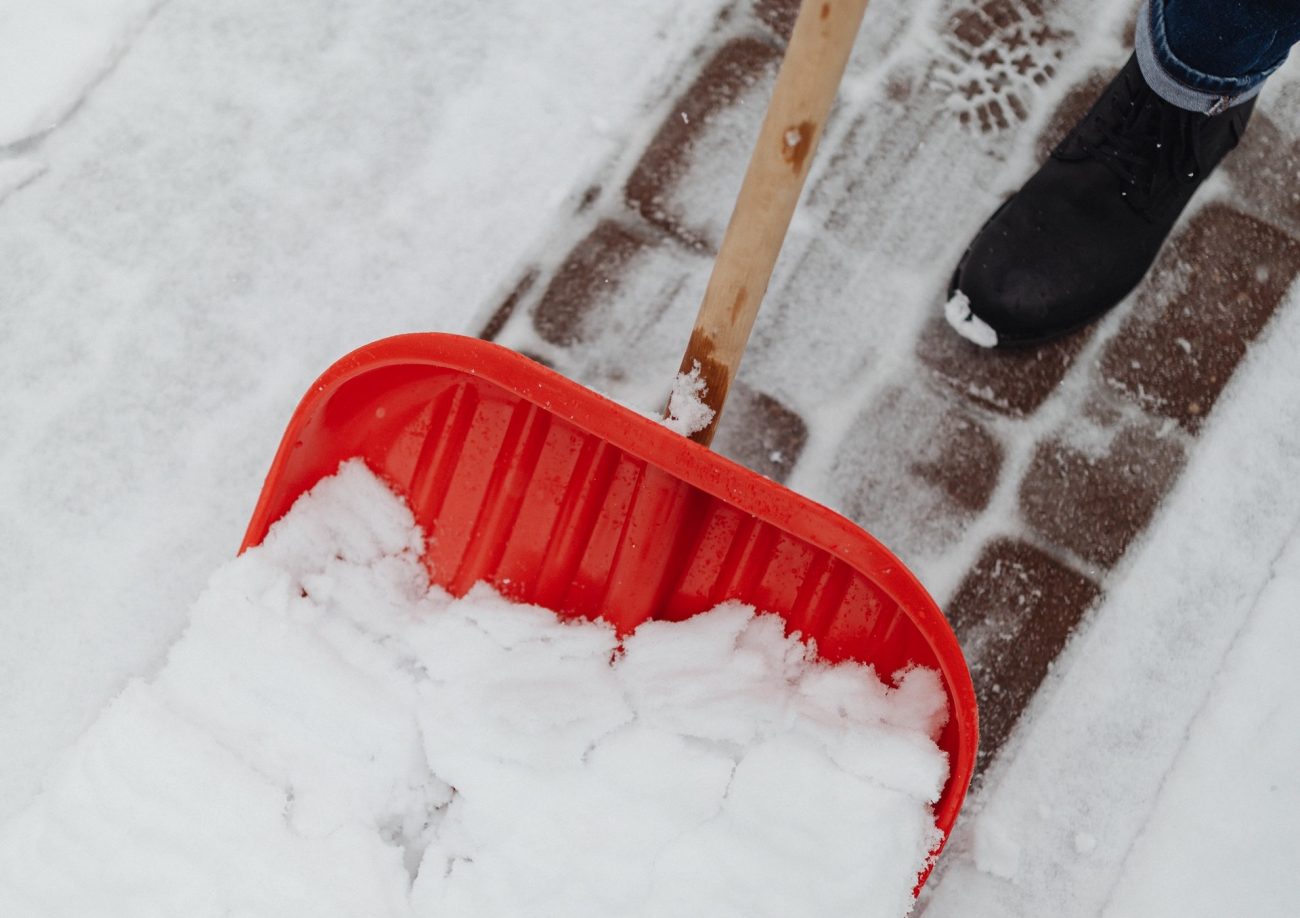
(1178, 84)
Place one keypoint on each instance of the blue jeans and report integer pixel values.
(1208, 55)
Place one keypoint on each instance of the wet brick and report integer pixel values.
(1094, 487)
(1210, 294)
(966, 465)
(760, 433)
(621, 309)
(1012, 382)
(1013, 613)
(778, 15)
(970, 28)
(590, 272)
(916, 468)
(652, 189)
(501, 315)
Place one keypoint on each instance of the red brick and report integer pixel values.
(760, 433)
(1012, 382)
(1208, 297)
(970, 28)
(778, 15)
(1001, 13)
(1013, 614)
(1091, 490)
(501, 315)
(590, 272)
(916, 468)
(652, 189)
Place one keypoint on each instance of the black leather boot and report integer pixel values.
(1086, 227)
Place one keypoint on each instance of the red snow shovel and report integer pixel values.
(560, 497)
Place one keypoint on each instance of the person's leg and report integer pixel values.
(1082, 232)
(1206, 55)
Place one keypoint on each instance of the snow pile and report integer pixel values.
(687, 412)
(333, 737)
(52, 51)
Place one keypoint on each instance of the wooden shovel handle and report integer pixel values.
(805, 88)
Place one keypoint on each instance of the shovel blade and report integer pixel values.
(560, 497)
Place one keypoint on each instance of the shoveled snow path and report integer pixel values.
(1155, 773)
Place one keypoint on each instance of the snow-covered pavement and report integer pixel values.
(1154, 773)
(253, 192)
(202, 206)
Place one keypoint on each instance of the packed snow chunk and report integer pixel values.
(687, 412)
(964, 321)
(334, 736)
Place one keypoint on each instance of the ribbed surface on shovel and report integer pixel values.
(510, 493)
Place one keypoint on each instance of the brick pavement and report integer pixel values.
(1012, 482)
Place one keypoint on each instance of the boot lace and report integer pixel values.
(1150, 145)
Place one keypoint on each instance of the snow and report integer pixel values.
(15, 173)
(252, 190)
(1222, 832)
(687, 411)
(51, 51)
(332, 736)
